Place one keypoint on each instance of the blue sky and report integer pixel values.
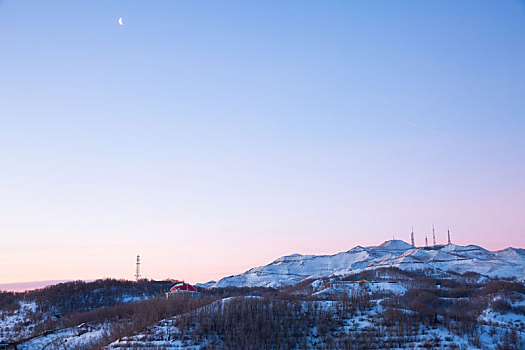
(214, 136)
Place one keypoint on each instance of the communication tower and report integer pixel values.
(426, 241)
(449, 237)
(137, 272)
(412, 237)
(433, 234)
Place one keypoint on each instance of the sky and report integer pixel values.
(211, 137)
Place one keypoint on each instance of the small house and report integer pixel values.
(84, 328)
(182, 290)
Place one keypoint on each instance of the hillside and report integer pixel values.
(438, 260)
(394, 309)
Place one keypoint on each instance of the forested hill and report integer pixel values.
(73, 296)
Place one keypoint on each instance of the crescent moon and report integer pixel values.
(120, 21)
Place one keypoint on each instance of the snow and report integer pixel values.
(395, 244)
(205, 285)
(133, 298)
(354, 288)
(507, 320)
(291, 269)
(14, 323)
(66, 338)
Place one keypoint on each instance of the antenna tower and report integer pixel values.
(426, 241)
(412, 237)
(449, 237)
(137, 273)
(433, 234)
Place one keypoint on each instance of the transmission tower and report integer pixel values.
(137, 273)
(433, 234)
(412, 237)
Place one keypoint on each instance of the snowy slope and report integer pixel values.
(291, 269)
(205, 285)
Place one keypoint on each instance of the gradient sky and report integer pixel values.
(212, 137)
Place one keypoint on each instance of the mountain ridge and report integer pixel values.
(294, 268)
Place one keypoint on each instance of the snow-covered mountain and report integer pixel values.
(205, 285)
(291, 269)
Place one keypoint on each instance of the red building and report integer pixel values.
(182, 289)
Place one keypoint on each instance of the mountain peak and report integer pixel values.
(396, 244)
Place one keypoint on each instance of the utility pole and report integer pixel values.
(137, 273)
(433, 234)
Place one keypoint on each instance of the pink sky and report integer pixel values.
(212, 138)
